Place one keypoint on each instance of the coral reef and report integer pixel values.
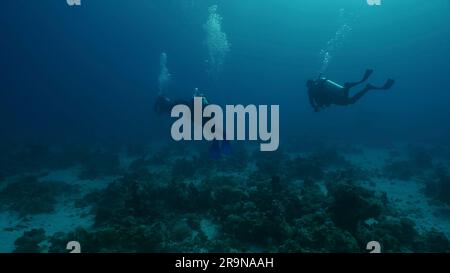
(183, 168)
(438, 187)
(30, 241)
(99, 163)
(270, 164)
(351, 204)
(27, 158)
(329, 157)
(304, 168)
(29, 196)
(402, 170)
(174, 200)
(418, 162)
(257, 212)
(133, 238)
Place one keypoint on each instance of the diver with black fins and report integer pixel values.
(324, 92)
(163, 106)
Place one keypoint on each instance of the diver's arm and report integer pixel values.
(163, 105)
(312, 101)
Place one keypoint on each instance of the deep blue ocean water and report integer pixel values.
(91, 71)
(84, 79)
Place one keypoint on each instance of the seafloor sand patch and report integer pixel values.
(406, 196)
(65, 218)
(70, 176)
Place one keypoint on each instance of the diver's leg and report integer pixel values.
(359, 95)
(366, 76)
(389, 83)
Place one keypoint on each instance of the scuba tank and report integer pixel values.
(329, 86)
(197, 93)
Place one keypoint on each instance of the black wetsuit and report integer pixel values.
(323, 93)
(164, 105)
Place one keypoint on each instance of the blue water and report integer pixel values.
(91, 71)
(89, 74)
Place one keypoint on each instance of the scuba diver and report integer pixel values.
(164, 105)
(323, 92)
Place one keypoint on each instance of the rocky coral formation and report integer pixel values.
(99, 163)
(418, 162)
(310, 202)
(30, 196)
(438, 187)
(30, 241)
(261, 211)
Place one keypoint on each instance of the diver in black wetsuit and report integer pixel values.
(323, 92)
(164, 105)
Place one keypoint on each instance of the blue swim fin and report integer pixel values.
(214, 150)
(225, 147)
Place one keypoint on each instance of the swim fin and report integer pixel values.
(389, 83)
(367, 75)
(214, 150)
(225, 147)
